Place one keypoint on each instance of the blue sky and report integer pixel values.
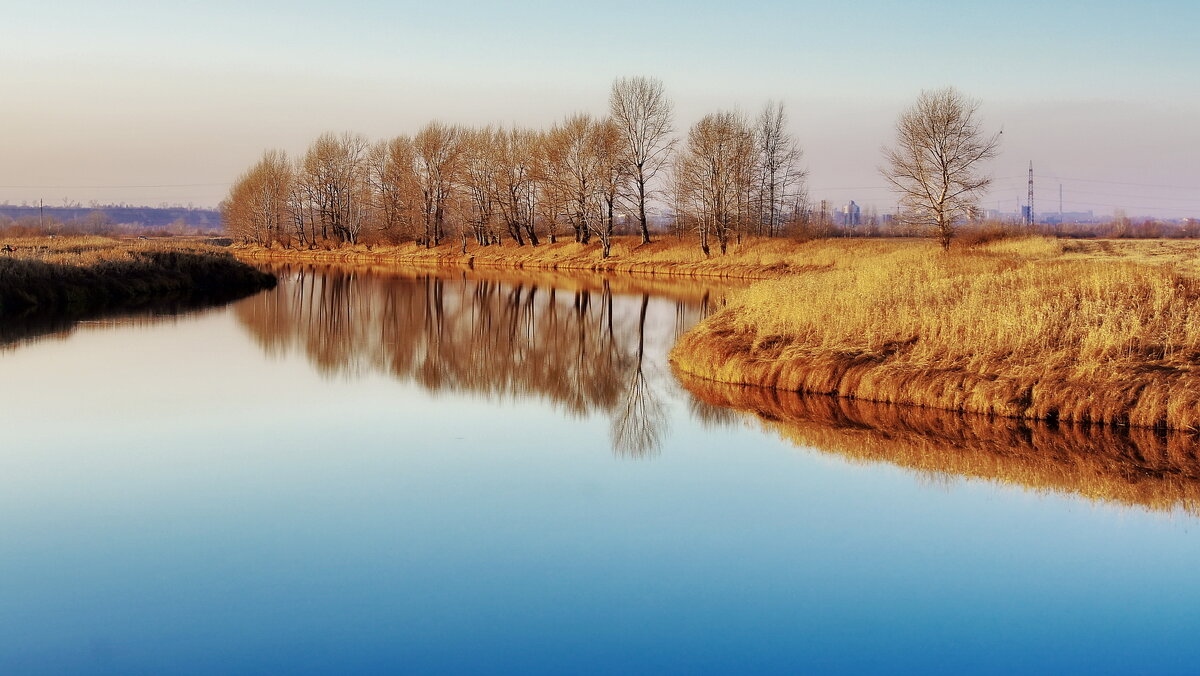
(164, 94)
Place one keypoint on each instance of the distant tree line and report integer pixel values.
(589, 178)
(26, 220)
(586, 178)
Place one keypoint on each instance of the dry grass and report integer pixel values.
(680, 288)
(79, 275)
(1024, 328)
(753, 259)
(1130, 466)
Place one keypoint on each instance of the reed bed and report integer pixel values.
(80, 275)
(1024, 328)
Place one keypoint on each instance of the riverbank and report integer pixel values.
(666, 257)
(1034, 328)
(1080, 331)
(71, 277)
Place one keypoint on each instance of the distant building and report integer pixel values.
(851, 214)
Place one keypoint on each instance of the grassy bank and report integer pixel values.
(700, 289)
(1130, 466)
(667, 257)
(1030, 328)
(78, 276)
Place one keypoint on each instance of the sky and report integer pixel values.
(152, 102)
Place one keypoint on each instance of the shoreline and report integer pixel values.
(1148, 383)
(47, 284)
(1133, 402)
(752, 260)
(1027, 329)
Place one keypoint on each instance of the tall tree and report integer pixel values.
(781, 180)
(394, 187)
(439, 149)
(572, 166)
(335, 170)
(257, 207)
(643, 115)
(612, 176)
(477, 177)
(713, 176)
(550, 196)
(515, 160)
(935, 164)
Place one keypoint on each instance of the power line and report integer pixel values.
(1095, 180)
(1126, 205)
(1141, 185)
(860, 187)
(1123, 206)
(1023, 186)
(1076, 191)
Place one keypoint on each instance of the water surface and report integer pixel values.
(377, 471)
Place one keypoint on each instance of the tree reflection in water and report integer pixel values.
(593, 345)
(580, 345)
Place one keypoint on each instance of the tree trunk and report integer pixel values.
(642, 211)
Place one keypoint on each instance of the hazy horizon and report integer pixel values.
(146, 104)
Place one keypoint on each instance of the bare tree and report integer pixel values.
(477, 178)
(572, 166)
(439, 150)
(257, 207)
(642, 113)
(394, 187)
(781, 180)
(612, 177)
(550, 197)
(514, 153)
(335, 171)
(714, 176)
(935, 163)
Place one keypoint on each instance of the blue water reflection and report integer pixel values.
(298, 485)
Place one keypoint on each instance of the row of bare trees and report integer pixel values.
(738, 176)
(586, 177)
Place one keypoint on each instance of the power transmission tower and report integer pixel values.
(1029, 215)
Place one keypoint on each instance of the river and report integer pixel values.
(374, 470)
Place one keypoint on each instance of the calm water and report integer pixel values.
(363, 471)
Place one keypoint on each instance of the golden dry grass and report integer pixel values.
(667, 256)
(1026, 328)
(697, 289)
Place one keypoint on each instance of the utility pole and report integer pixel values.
(1060, 211)
(42, 215)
